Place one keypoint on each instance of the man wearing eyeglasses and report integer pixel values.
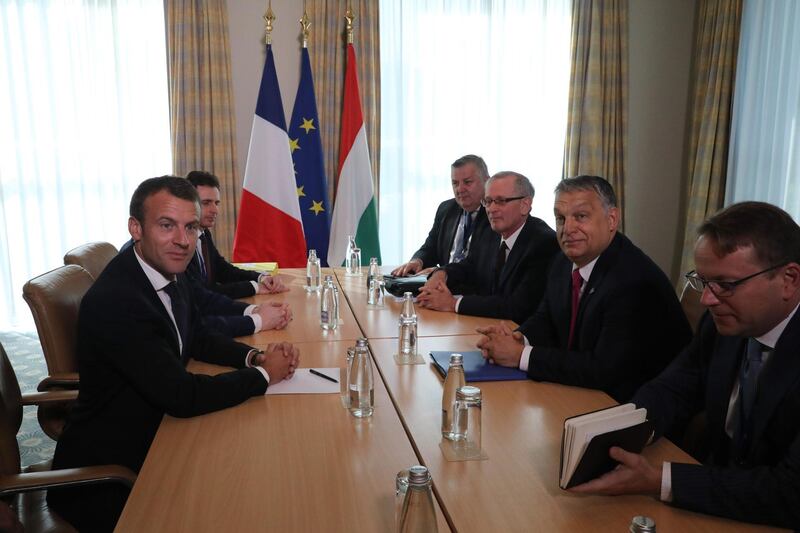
(458, 221)
(742, 370)
(504, 276)
(137, 327)
(609, 318)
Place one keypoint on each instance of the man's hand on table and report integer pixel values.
(500, 345)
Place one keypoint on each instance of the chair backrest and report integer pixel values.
(93, 256)
(54, 299)
(692, 308)
(10, 416)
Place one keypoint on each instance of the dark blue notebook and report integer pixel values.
(476, 368)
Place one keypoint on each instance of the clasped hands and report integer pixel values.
(280, 360)
(274, 315)
(435, 294)
(270, 284)
(500, 345)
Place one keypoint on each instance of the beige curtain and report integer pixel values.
(598, 92)
(201, 101)
(327, 48)
(714, 71)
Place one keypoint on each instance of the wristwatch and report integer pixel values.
(252, 355)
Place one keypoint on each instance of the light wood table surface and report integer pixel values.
(274, 463)
(516, 488)
(305, 309)
(382, 322)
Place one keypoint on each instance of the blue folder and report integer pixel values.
(476, 368)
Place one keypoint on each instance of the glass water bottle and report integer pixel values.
(360, 382)
(313, 272)
(418, 514)
(453, 381)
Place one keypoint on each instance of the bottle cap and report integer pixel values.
(456, 359)
(373, 260)
(642, 524)
(328, 277)
(361, 343)
(418, 475)
(468, 392)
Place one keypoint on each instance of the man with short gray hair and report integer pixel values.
(504, 275)
(458, 223)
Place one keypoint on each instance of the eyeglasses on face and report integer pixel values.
(486, 202)
(719, 287)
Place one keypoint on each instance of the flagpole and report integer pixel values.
(349, 18)
(305, 23)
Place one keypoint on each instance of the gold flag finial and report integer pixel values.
(304, 25)
(349, 17)
(269, 18)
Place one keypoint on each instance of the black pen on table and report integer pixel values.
(320, 374)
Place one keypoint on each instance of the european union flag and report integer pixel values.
(309, 173)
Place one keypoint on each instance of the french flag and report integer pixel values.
(270, 226)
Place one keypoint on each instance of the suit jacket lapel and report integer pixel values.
(722, 369)
(608, 258)
(451, 222)
(516, 253)
(781, 372)
(149, 293)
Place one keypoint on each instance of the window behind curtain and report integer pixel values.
(85, 118)
(764, 159)
(485, 77)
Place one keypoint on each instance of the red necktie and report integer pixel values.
(577, 282)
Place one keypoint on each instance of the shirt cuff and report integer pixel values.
(248, 365)
(666, 482)
(524, 359)
(250, 311)
(458, 298)
(255, 286)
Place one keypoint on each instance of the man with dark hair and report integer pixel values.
(207, 265)
(609, 318)
(458, 223)
(137, 328)
(504, 275)
(742, 371)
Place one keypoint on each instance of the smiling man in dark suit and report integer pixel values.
(458, 221)
(137, 327)
(609, 319)
(505, 273)
(742, 370)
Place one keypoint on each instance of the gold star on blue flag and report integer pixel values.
(309, 170)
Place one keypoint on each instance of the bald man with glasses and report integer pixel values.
(742, 370)
(504, 274)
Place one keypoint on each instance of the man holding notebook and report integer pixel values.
(742, 370)
(609, 318)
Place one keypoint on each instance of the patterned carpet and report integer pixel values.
(26, 357)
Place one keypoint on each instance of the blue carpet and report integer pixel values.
(25, 352)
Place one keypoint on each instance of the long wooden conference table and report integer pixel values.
(303, 463)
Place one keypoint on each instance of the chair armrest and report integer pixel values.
(67, 380)
(68, 477)
(49, 397)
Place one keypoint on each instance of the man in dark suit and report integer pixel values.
(458, 222)
(504, 275)
(742, 370)
(207, 265)
(137, 327)
(605, 301)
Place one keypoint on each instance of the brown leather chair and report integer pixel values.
(24, 489)
(692, 308)
(93, 256)
(54, 299)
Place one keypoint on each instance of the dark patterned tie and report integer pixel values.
(500, 262)
(180, 312)
(205, 258)
(577, 283)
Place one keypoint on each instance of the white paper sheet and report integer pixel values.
(304, 382)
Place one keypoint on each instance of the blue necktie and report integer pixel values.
(200, 259)
(748, 389)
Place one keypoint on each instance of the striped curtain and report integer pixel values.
(714, 72)
(201, 102)
(328, 52)
(598, 93)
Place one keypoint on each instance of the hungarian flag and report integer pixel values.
(354, 212)
(269, 226)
